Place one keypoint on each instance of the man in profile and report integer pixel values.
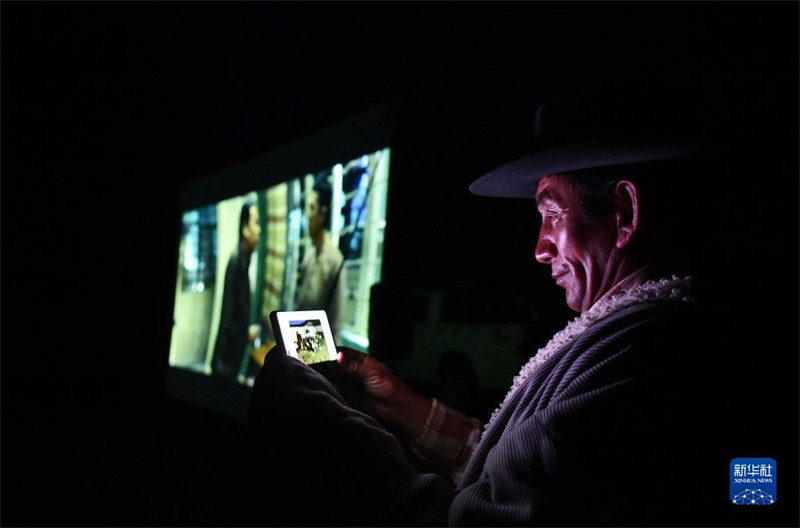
(235, 330)
(321, 270)
(623, 418)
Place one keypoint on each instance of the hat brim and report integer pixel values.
(520, 178)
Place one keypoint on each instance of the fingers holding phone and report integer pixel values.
(385, 396)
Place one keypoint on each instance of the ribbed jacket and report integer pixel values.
(615, 428)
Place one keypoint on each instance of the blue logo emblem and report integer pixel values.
(754, 481)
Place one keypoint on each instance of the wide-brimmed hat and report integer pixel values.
(586, 131)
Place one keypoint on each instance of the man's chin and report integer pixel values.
(572, 304)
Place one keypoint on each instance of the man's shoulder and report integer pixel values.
(637, 338)
(652, 315)
(657, 344)
(331, 253)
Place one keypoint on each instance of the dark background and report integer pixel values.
(107, 108)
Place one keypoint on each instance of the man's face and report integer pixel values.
(577, 250)
(316, 215)
(253, 229)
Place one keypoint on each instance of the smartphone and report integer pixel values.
(305, 335)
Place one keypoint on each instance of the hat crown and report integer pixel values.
(606, 128)
(636, 117)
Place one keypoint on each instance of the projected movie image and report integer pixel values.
(308, 242)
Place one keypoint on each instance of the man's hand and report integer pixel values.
(386, 396)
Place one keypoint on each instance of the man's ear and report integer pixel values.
(626, 211)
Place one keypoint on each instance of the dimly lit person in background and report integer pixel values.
(623, 418)
(321, 274)
(235, 330)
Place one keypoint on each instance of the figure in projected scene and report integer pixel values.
(235, 330)
(622, 418)
(321, 274)
(310, 338)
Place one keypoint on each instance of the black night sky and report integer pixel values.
(109, 107)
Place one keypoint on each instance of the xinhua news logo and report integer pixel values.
(754, 481)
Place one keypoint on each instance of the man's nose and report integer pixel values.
(545, 250)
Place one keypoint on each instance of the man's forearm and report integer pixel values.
(448, 437)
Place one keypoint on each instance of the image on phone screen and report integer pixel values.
(305, 335)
